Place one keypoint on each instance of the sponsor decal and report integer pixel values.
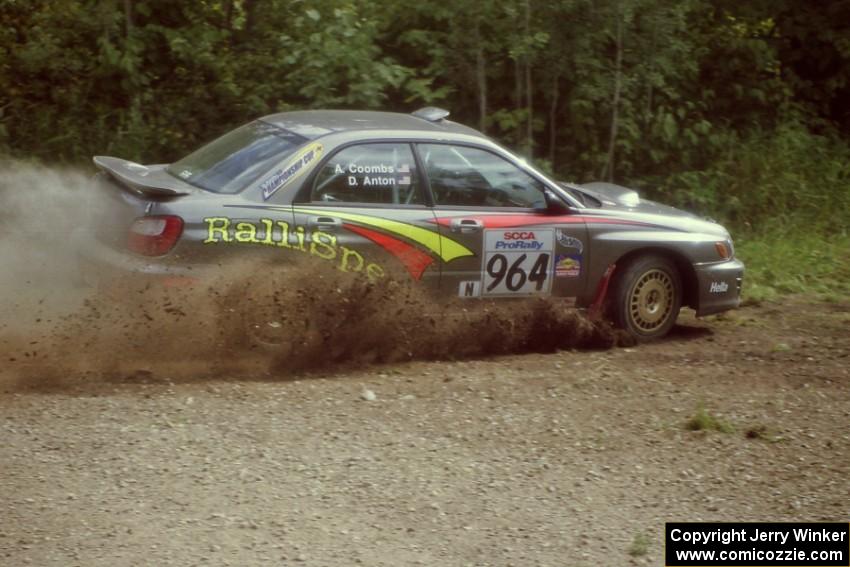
(718, 287)
(517, 240)
(280, 234)
(294, 169)
(469, 289)
(517, 261)
(444, 248)
(568, 241)
(415, 260)
(568, 266)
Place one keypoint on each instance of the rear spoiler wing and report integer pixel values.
(135, 177)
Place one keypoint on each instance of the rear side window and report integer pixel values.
(237, 159)
(471, 177)
(369, 173)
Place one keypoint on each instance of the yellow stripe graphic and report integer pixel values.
(445, 248)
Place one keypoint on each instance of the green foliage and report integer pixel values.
(785, 194)
(150, 79)
(815, 51)
(332, 60)
(639, 546)
(83, 79)
(793, 258)
(780, 176)
(702, 420)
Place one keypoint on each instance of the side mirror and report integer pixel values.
(554, 204)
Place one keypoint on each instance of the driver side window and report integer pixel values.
(471, 177)
(381, 173)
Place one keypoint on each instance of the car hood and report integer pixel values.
(624, 202)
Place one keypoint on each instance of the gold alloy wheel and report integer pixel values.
(651, 300)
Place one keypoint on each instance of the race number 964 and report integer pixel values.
(519, 274)
(517, 261)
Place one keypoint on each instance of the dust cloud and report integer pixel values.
(40, 209)
(253, 320)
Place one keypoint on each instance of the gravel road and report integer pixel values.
(575, 458)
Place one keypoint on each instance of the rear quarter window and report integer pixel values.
(237, 159)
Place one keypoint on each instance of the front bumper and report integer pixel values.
(719, 286)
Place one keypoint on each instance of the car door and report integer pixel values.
(365, 211)
(491, 205)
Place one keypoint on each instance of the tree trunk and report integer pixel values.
(228, 16)
(128, 17)
(529, 131)
(553, 118)
(529, 91)
(518, 97)
(250, 8)
(608, 170)
(647, 113)
(481, 77)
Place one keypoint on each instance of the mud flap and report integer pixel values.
(595, 311)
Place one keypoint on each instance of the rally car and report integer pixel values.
(377, 192)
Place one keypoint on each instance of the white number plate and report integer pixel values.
(517, 261)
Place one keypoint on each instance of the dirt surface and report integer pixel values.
(572, 458)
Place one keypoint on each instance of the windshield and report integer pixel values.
(235, 160)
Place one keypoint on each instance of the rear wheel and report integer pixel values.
(647, 297)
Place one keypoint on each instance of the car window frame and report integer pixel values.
(507, 156)
(303, 196)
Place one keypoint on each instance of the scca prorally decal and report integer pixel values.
(269, 232)
(518, 240)
(445, 248)
(291, 171)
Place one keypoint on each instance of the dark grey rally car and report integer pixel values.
(375, 192)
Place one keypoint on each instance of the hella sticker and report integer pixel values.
(718, 287)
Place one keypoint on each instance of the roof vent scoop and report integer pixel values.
(431, 113)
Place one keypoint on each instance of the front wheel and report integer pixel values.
(647, 297)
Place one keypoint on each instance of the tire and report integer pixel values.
(646, 297)
(249, 320)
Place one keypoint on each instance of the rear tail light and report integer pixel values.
(154, 235)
